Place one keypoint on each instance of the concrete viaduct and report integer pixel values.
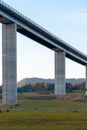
(13, 22)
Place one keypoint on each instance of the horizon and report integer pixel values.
(46, 79)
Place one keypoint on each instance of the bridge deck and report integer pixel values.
(32, 30)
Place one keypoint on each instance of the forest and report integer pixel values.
(49, 87)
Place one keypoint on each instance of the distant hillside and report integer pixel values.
(73, 80)
(34, 80)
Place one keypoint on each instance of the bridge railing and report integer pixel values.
(22, 15)
(14, 10)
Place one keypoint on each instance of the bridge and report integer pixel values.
(13, 22)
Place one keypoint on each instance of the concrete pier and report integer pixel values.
(60, 87)
(86, 80)
(9, 69)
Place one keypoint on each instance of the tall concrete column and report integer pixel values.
(60, 87)
(9, 69)
(86, 80)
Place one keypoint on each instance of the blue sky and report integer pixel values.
(67, 19)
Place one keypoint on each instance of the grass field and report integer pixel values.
(46, 114)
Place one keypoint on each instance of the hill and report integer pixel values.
(34, 80)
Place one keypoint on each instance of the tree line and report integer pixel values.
(49, 87)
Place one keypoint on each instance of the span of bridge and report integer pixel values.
(14, 21)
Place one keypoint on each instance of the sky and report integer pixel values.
(67, 19)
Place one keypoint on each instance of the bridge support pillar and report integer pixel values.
(9, 74)
(86, 80)
(60, 87)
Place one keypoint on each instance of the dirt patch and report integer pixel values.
(37, 97)
(72, 97)
(82, 98)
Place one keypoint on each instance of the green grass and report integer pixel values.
(43, 121)
(47, 105)
(44, 115)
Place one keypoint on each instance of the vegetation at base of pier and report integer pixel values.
(48, 113)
